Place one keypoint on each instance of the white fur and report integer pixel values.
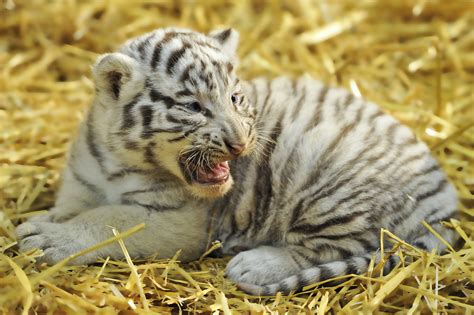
(262, 265)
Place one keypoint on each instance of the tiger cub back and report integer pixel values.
(336, 170)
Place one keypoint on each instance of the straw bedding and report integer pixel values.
(414, 58)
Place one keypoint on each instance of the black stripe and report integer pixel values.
(192, 130)
(342, 103)
(403, 215)
(233, 223)
(147, 116)
(299, 103)
(266, 290)
(415, 157)
(172, 119)
(319, 109)
(185, 75)
(156, 96)
(139, 191)
(349, 99)
(337, 237)
(91, 144)
(175, 120)
(307, 254)
(155, 59)
(391, 262)
(297, 262)
(147, 134)
(370, 194)
(300, 282)
(127, 116)
(149, 154)
(93, 188)
(363, 188)
(288, 171)
(420, 245)
(184, 92)
(264, 187)
(206, 78)
(368, 259)
(131, 145)
(352, 267)
(285, 288)
(296, 212)
(175, 57)
(451, 214)
(312, 228)
(324, 190)
(151, 207)
(207, 112)
(205, 45)
(441, 185)
(142, 46)
(421, 173)
(124, 172)
(241, 100)
(319, 248)
(325, 273)
(176, 139)
(371, 243)
(218, 67)
(130, 197)
(115, 82)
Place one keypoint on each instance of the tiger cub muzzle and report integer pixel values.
(206, 168)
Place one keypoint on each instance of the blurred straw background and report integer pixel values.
(414, 58)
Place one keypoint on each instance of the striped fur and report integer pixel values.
(315, 172)
(337, 171)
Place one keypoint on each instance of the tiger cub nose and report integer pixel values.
(235, 148)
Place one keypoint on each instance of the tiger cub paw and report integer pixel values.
(262, 265)
(56, 240)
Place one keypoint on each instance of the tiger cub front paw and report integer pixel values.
(262, 265)
(56, 240)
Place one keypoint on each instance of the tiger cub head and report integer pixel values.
(170, 101)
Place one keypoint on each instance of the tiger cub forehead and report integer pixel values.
(187, 63)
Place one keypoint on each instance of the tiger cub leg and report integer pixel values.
(269, 264)
(164, 234)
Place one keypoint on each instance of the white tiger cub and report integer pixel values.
(172, 129)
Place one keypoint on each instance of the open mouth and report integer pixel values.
(216, 174)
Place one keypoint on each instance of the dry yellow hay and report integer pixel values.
(414, 58)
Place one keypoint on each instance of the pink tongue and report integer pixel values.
(218, 173)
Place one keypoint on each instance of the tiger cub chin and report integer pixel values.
(301, 176)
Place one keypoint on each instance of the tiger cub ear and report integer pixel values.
(117, 77)
(228, 40)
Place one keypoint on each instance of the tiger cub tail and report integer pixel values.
(334, 269)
